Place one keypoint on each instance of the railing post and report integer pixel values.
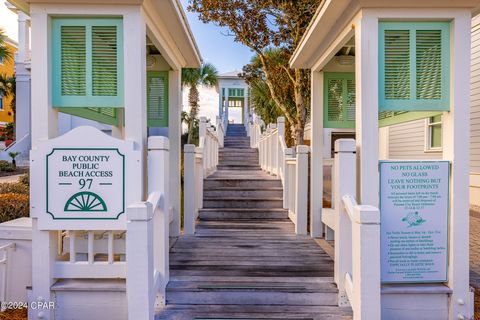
(139, 252)
(366, 263)
(158, 181)
(288, 153)
(189, 189)
(281, 137)
(345, 184)
(199, 174)
(301, 190)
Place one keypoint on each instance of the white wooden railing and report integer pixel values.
(291, 166)
(139, 253)
(356, 230)
(199, 162)
(5, 253)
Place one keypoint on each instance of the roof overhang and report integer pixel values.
(170, 12)
(333, 16)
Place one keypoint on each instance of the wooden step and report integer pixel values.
(243, 192)
(242, 213)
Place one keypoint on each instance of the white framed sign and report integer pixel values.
(414, 206)
(80, 180)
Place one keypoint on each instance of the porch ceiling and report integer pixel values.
(333, 16)
(169, 13)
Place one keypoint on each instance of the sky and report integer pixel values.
(215, 47)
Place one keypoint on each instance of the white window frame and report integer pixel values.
(428, 136)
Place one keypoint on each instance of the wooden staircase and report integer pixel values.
(245, 261)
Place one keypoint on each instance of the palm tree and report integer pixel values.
(206, 75)
(5, 53)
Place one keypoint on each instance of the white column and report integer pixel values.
(189, 189)
(220, 102)
(456, 149)
(174, 136)
(158, 181)
(226, 108)
(245, 109)
(23, 52)
(135, 75)
(316, 147)
(301, 190)
(345, 185)
(139, 252)
(366, 78)
(44, 127)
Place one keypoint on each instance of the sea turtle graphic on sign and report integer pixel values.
(85, 201)
(413, 219)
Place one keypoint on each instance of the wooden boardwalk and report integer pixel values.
(245, 261)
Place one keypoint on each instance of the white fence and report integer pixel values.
(199, 162)
(356, 230)
(139, 253)
(291, 166)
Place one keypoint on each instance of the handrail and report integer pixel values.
(357, 239)
(289, 166)
(4, 262)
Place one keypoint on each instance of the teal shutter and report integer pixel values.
(89, 72)
(339, 100)
(157, 98)
(414, 66)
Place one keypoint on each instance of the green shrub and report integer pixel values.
(9, 187)
(25, 179)
(4, 164)
(13, 206)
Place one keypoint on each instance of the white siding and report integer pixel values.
(407, 141)
(475, 98)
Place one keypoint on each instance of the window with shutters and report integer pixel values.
(339, 96)
(157, 98)
(414, 61)
(87, 59)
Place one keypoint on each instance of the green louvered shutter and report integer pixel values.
(88, 62)
(104, 61)
(73, 61)
(157, 98)
(339, 100)
(414, 69)
(397, 64)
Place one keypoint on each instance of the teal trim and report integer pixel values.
(406, 117)
(152, 122)
(88, 100)
(414, 104)
(93, 115)
(343, 77)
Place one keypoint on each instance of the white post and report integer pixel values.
(199, 174)
(44, 243)
(345, 184)
(316, 146)
(174, 137)
(301, 190)
(456, 136)
(245, 111)
(139, 252)
(158, 181)
(220, 103)
(281, 137)
(135, 93)
(189, 189)
(225, 112)
(288, 154)
(366, 263)
(366, 79)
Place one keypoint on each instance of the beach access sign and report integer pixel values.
(414, 201)
(80, 180)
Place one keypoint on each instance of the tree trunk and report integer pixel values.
(193, 97)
